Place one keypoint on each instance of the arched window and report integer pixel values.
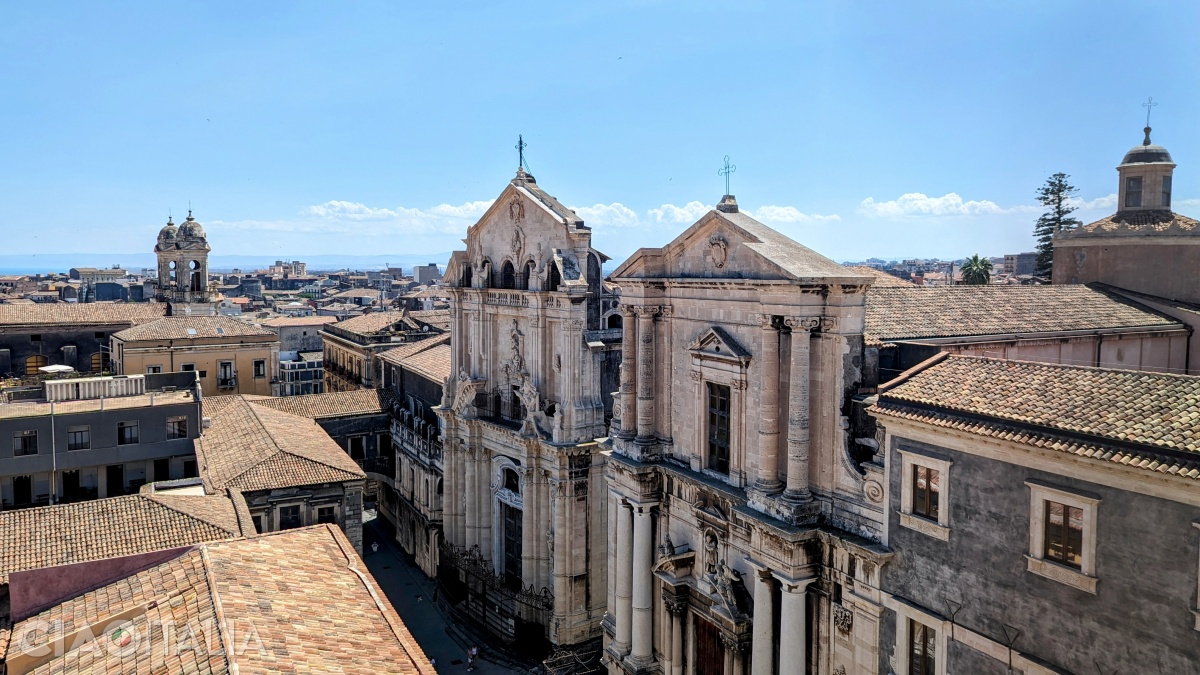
(197, 277)
(487, 274)
(173, 268)
(99, 362)
(554, 279)
(512, 482)
(467, 279)
(614, 321)
(508, 276)
(527, 275)
(34, 362)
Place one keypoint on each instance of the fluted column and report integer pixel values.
(763, 640)
(768, 427)
(643, 562)
(624, 578)
(471, 520)
(677, 609)
(628, 373)
(529, 528)
(483, 504)
(797, 466)
(793, 628)
(645, 378)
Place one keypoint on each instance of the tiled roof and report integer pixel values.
(357, 293)
(108, 528)
(48, 314)
(396, 355)
(255, 447)
(438, 318)
(332, 403)
(297, 601)
(1162, 222)
(39, 408)
(1148, 420)
(895, 313)
(433, 363)
(372, 322)
(191, 327)
(300, 321)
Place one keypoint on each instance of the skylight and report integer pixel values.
(191, 331)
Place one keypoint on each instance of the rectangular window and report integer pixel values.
(1166, 192)
(150, 370)
(257, 520)
(176, 428)
(189, 468)
(79, 438)
(357, 447)
(926, 492)
(1133, 191)
(718, 428)
(127, 433)
(922, 653)
(35, 337)
(25, 443)
(225, 376)
(260, 368)
(1064, 534)
(326, 514)
(188, 367)
(289, 517)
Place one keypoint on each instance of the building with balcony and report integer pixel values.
(77, 439)
(531, 367)
(353, 345)
(228, 356)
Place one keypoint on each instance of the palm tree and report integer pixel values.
(977, 271)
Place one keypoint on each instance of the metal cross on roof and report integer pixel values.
(1148, 105)
(520, 146)
(725, 171)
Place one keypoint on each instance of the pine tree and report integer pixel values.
(1055, 195)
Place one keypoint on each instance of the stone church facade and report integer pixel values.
(744, 536)
(533, 366)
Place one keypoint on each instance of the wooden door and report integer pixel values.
(710, 653)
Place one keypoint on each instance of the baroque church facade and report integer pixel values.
(533, 366)
(744, 536)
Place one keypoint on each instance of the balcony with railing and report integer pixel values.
(417, 437)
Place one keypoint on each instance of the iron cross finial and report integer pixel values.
(520, 146)
(725, 171)
(1148, 105)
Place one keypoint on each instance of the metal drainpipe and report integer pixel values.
(1099, 344)
(53, 460)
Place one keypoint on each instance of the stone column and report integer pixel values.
(763, 646)
(562, 547)
(483, 504)
(666, 426)
(530, 528)
(624, 578)
(645, 378)
(677, 608)
(543, 542)
(797, 467)
(628, 373)
(729, 648)
(768, 428)
(643, 574)
(471, 520)
(793, 641)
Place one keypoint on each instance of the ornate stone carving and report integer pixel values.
(516, 209)
(840, 670)
(842, 618)
(676, 606)
(719, 249)
(804, 323)
(873, 491)
(739, 385)
(668, 546)
(829, 324)
(696, 376)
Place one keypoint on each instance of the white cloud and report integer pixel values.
(608, 215)
(950, 204)
(788, 214)
(358, 218)
(1187, 202)
(1106, 203)
(688, 213)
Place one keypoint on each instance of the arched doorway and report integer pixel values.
(34, 362)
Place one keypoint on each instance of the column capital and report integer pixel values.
(803, 323)
(646, 310)
(793, 586)
(829, 324)
(676, 606)
(768, 321)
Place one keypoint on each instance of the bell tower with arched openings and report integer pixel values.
(183, 269)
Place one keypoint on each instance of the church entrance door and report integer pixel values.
(710, 653)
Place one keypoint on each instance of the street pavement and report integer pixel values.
(410, 592)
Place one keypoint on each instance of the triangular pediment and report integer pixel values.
(716, 343)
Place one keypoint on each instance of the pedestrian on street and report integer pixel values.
(472, 654)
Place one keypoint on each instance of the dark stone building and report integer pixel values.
(70, 334)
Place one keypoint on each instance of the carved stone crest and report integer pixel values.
(719, 249)
(518, 239)
(842, 618)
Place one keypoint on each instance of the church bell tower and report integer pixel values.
(183, 269)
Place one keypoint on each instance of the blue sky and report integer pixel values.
(859, 129)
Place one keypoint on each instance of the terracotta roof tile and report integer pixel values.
(331, 404)
(44, 314)
(300, 321)
(107, 528)
(433, 363)
(895, 313)
(372, 322)
(396, 355)
(1156, 222)
(255, 447)
(881, 278)
(1151, 420)
(281, 586)
(191, 327)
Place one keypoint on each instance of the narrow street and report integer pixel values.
(410, 593)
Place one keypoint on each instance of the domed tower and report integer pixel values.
(183, 268)
(1144, 247)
